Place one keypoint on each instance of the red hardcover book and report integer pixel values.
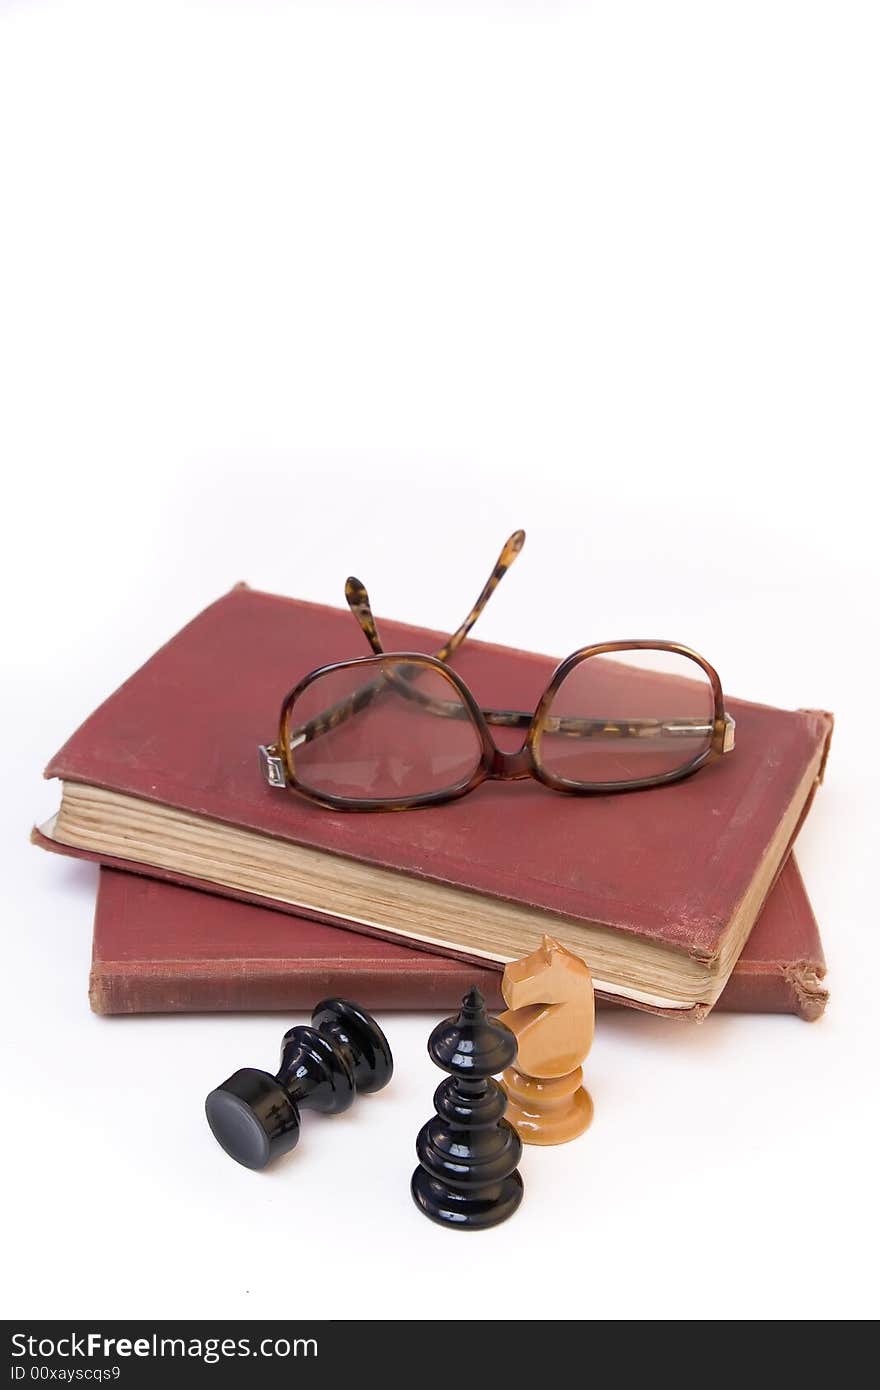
(159, 948)
(659, 889)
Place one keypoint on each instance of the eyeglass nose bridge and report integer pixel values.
(511, 767)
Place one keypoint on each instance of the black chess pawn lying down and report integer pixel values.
(467, 1176)
(255, 1116)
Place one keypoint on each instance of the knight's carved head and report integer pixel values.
(542, 976)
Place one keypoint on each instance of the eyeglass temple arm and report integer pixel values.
(567, 725)
(509, 551)
(575, 726)
(571, 726)
(359, 601)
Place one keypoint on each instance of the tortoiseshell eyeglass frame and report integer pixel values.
(396, 668)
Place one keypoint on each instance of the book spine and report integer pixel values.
(782, 989)
(117, 987)
(126, 988)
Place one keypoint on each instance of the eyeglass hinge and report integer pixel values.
(729, 741)
(272, 766)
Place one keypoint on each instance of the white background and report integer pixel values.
(289, 291)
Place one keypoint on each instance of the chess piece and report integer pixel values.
(551, 1011)
(255, 1116)
(467, 1177)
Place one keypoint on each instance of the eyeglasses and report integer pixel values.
(398, 730)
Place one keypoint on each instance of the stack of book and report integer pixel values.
(219, 893)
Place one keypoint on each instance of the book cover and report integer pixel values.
(161, 948)
(686, 867)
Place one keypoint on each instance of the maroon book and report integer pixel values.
(659, 889)
(159, 948)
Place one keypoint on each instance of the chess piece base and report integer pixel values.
(547, 1112)
(466, 1211)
